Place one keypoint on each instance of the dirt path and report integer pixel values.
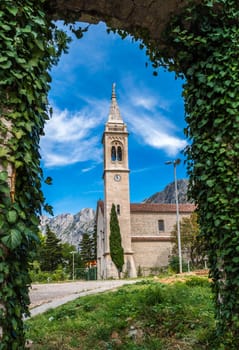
(47, 296)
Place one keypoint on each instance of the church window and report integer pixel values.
(118, 209)
(116, 152)
(113, 153)
(161, 225)
(119, 153)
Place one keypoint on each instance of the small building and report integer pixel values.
(145, 228)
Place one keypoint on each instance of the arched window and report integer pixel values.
(118, 209)
(119, 153)
(116, 152)
(113, 153)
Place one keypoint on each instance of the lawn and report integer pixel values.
(148, 315)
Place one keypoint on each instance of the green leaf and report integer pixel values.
(13, 240)
(3, 176)
(34, 220)
(12, 216)
(6, 65)
(235, 260)
(4, 189)
(210, 183)
(3, 151)
(12, 10)
(3, 59)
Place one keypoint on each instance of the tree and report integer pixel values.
(94, 242)
(67, 258)
(192, 243)
(87, 248)
(51, 253)
(116, 249)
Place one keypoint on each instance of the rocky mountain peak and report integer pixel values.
(168, 194)
(68, 227)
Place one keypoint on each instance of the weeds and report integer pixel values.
(144, 316)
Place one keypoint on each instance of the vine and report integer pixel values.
(201, 45)
(30, 44)
(205, 51)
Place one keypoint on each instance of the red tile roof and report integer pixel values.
(156, 207)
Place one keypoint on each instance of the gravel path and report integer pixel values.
(47, 296)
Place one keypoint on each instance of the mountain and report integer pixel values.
(69, 228)
(168, 194)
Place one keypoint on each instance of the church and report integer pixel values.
(145, 228)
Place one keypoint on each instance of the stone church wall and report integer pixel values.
(151, 256)
(146, 224)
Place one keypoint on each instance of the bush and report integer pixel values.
(46, 277)
(174, 264)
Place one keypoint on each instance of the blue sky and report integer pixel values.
(80, 95)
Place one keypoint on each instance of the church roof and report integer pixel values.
(161, 207)
(114, 114)
(156, 207)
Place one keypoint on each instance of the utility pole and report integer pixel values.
(73, 264)
(175, 163)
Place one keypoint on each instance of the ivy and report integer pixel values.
(201, 45)
(30, 44)
(205, 52)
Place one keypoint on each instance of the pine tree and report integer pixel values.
(116, 250)
(51, 253)
(94, 243)
(86, 248)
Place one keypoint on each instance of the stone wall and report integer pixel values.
(150, 256)
(146, 224)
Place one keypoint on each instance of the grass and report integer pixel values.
(148, 315)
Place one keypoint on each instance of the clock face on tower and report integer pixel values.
(117, 177)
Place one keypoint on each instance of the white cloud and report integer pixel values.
(146, 112)
(148, 102)
(154, 132)
(76, 137)
(67, 127)
(71, 138)
(86, 170)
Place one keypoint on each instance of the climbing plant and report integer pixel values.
(201, 45)
(29, 44)
(204, 50)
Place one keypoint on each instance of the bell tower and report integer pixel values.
(116, 188)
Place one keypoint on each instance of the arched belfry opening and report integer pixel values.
(116, 151)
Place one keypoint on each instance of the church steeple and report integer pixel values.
(114, 114)
(116, 186)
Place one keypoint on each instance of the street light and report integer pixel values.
(175, 163)
(73, 264)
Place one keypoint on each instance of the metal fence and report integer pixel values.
(88, 274)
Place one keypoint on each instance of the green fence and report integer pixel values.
(88, 274)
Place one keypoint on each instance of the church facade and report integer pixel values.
(145, 228)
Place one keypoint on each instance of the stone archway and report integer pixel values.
(150, 15)
(207, 57)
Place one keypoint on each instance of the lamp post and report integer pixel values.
(175, 163)
(73, 264)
